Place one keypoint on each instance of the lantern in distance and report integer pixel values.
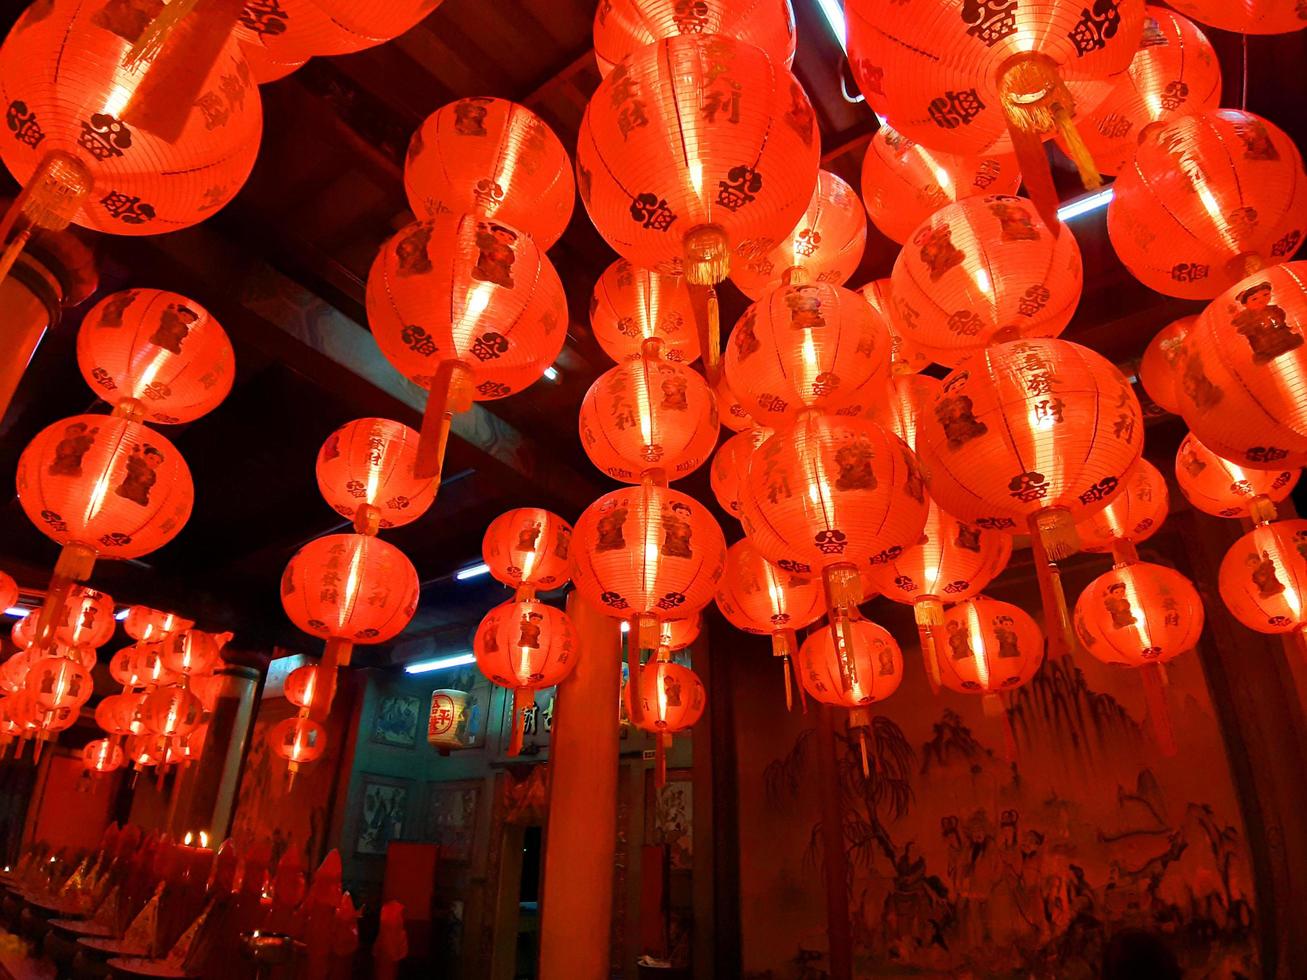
(85, 619)
(1134, 514)
(904, 356)
(525, 646)
(299, 741)
(1137, 614)
(145, 750)
(121, 714)
(450, 722)
(672, 190)
(13, 672)
(1218, 487)
(366, 472)
(190, 653)
(825, 246)
(102, 755)
(904, 183)
(171, 711)
(8, 592)
(990, 647)
(730, 465)
(528, 548)
(803, 347)
(624, 26)
(468, 308)
(984, 270)
(649, 416)
(494, 159)
(1159, 370)
(757, 597)
(1209, 199)
(1243, 390)
(144, 667)
(1263, 577)
(301, 686)
(662, 698)
(631, 305)
(155, 355)
(57, 682)
(677, 634)
(151, 625)
(23, 632)
(1246, 16)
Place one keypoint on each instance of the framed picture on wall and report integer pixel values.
(396, 721)
(382, 813)
(451, 817)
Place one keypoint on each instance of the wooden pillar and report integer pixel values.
(577, 899)
(834, 860)
(207, 790)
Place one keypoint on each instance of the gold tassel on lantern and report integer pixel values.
(644, 636)
(860, 721)
(783, 645)
(707, 255)
(451, 393)
(929, 613)
(843, 593)
(49, 201)
(1052, 538)
(1261, 510)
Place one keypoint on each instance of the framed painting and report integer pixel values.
(396, 721)
(382, 811)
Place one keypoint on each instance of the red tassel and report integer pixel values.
(451, 393)
(522, 701)
(1159, 713)
(336, 655)
(789, 696)
(660, 760)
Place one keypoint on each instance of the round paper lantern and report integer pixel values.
(121, 714)
(670, 188)
(291, 31)
(904, 183)
(649, 416)
(23, 632)
(1246, 16)
(13, 672)
(1133, 515)
(730, 465)
(102, 755)
(959, 77)
(810, 346)
(467, 308)
(902, 403)
(145, 750)
(870, 669)
(366, 473)
(66, 91)
(171, 711)
(631, 305)
(671, 698)
(144, 623)
(299, 741)
(528, 548)
(1263, 578)
(1243, 380)
(1159, 371)
(494, 159)
(981, 271)
(156, 355)
(302, 686)
(8, 592)
(1137, 614)
(988, 647)
(905, 357)
(677, 634)
(623, 27)
(144, 667)
(86, 619)
(647, 553)
(825, 246)
(1175, 72)
(190, 652)
(730, 409)
(106, 486)
(57, 682)
(1209, 199)
(1218, 487)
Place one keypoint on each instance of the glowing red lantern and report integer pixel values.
(121, 714)
(155, 355)
(302, 686)
(624, 26)
(649, 416)
(730, 465)
(807, 346)
(13, 672)
(525, 646)
(494, 159)
(71, 99)
(663, 697)
(1245, 16)
(905, 357)
(299, 741)
(631, 305)
(1263, 578)
(990, 647)
(291, 31)
(190, 652)
(8, 592)
(825, 246)
(1159, 370)
(1243, 379)
(902, 403)
(730, 409)
(145, 750)
(86, 619)
(984, 270)
(171, 711)
(869, 671)
(1137, 614)
(1209, 199)
(1218, 487)
(102, 755)
(146, 624)
(467, 308)
(1174, 72)
(528, 549)
(1134, 514)
(143, 667)
(366, 472)
(904, 183)
(677, 634)
(24, 631)
(57, 682)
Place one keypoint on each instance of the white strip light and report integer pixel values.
(439, 663)
(18, 612)
(834, 14)
(472, 571)
(121, 614)
(551, 373)
(1084, 205)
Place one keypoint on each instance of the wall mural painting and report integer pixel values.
(962, 863)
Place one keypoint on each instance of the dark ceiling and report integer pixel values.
(283, 268)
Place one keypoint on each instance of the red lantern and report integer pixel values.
(649, 416)
(669, 188)
(757, 597)
(1245, 16)
(24, 631)
(1243, 383)
(825, 246)
(56, 682)
(874, 666)
(905, 357)
(677, 634)
(525, 646)
(86, 619)
(144, 667)
(730, 410)
(1134, 514)
(904, 183)
(190, 653)
(8, 593)
(145, 750)
(809, 346)
(302, 686)
(121, 714)
(144, 623)
(663, 697)
(1218, 487)
(989, 647)
(981, 271)
(13, 672)
(468, 308)
(299, 741)
(1174, 73)
(730, 466)
(1263, 577)
(624, 26)
(1159, 371)
(905, 399)
(171, 711)
(1139, 614)
(102, 755)
(631, 305)
(494, 159)
(366, 472)
(291, 31)
(528, 549)
(156, 355)
(71, 98)
(1209, 199)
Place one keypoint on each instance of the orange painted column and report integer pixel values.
(576, 906)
